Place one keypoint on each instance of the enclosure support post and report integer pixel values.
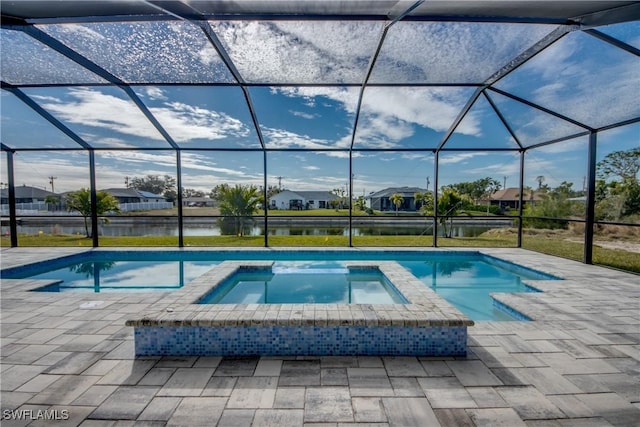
(435, 198)
(521, 198)
(179, 199)
(13, 219)
(266, 199)
(591, 193)
(94, 199)
(350, 198)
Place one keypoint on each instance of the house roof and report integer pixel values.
(26, 191)
(150, 195)
(122, 192)
(513, 193)
(403, 191)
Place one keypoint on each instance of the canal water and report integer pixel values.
(152, 228)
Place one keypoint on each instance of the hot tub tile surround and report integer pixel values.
(176, 325)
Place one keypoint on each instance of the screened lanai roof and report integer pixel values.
(350, 75)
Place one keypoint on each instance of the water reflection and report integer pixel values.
(123, 276)
(154, 229)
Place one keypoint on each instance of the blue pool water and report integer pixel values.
(123, 275)
(465, 279)
(315, 283)
(468, 283)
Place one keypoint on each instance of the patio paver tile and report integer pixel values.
(253, 392)
(473, 373)
(409, 411)
(160, 408)
(495, 417)
(289, 398)
(186, 382)
(278, 417)
(368, 409)
(219, 386)
(328, 404)
(126, 403)
(237, 418)
(198, 411)
(453, 418)
(300, 372)
(446, 392)
(65, 390)
(406, 387)
(529, 403)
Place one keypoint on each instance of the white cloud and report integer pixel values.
(155, 93)
(281, 138)
(390, 115)
(582, 78)
(345, 97)
(447, 158)
(43, 98)
(303, 114)
(99, 110)
(184, 122)
(187, 122)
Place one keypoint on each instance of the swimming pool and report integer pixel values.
(290, 282)
(466, 279)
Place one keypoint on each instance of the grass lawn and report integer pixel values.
(552, 244)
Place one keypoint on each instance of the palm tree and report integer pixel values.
(80, 201)
(238, 204)
(397, 200)
(448, 204)
(540, 179)
(425, 200)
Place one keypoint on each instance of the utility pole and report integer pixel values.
(504, 180)
(428, 182)
(126, 181)
(51, 179)
(279, 182)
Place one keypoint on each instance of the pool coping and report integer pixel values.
(180, 308)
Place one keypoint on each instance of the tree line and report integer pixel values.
(617, 197)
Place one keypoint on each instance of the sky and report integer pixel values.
(579, 76)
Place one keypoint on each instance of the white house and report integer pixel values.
(302, 200)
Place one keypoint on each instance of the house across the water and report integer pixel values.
(303, 200)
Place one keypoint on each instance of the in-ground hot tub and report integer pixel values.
(421, 324)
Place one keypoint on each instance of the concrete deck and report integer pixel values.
(576, 364)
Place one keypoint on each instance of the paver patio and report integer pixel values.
(576, 364)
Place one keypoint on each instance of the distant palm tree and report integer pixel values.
(425, 200)
(397, 200)
(449, 204)
(238, 204)
(80, 201)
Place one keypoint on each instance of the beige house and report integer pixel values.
(509, 198)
